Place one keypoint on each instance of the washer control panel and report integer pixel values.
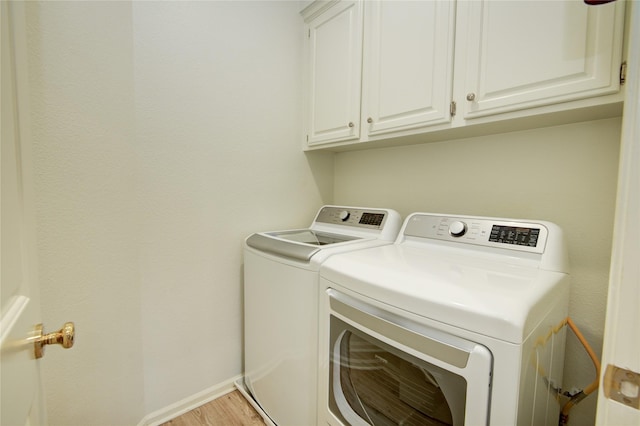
(512, 235)
(347, 216)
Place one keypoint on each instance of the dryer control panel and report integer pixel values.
(489, 232)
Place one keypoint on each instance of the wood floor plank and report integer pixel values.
(231, 409)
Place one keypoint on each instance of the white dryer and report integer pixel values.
(281, 304)
(459, 322)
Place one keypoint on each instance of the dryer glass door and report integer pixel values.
(384, 373)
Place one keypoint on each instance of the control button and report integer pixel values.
(457, 229)
(344, 215)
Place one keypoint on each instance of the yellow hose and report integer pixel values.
(596, 363)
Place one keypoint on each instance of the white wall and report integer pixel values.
(217, 102)
(564, 174)
(164, 133)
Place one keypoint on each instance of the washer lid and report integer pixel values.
(308, 236)
(300, 244)
(485, 296)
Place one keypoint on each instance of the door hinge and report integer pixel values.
(623, 73)
(309, 34)
(452, 108)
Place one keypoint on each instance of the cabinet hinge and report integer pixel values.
(623, 73)
(307, 138)
(452, 108)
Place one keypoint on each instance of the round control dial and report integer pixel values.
(344, 215)
(457, 228)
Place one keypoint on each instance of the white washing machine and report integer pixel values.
(281, 304)
(459, 323)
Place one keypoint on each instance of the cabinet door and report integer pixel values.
(408, 64)
(522, 54)
(335, 58)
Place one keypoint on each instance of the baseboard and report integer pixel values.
(187, 404)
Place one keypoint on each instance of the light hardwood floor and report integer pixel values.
(231, 409)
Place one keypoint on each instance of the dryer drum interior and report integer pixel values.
(384, 386)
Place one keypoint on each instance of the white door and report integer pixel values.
(334, 59)
(19, 311)
(619, 396)
(21, 400)
(408, 65)
(522, 54)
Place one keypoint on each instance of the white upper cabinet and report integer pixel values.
(515, 55)
(407, 64)
(334, 58)
(427, 70)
